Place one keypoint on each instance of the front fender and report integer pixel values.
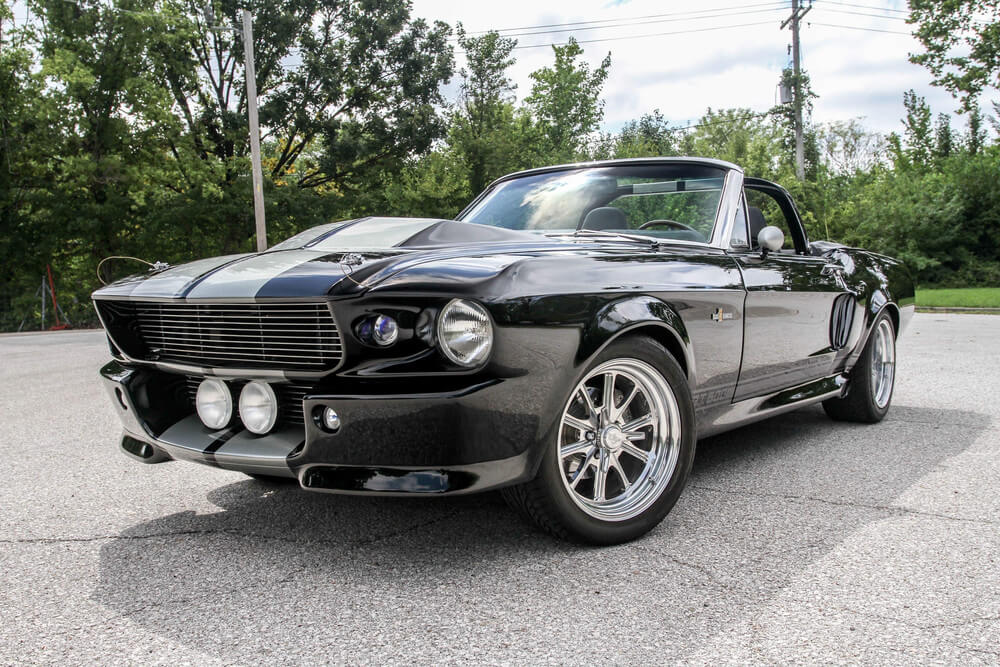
(638, 313)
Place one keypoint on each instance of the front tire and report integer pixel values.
(622, 451)
(873, 379)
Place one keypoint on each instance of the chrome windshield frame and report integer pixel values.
(729, 206)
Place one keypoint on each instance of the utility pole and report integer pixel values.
(258, 178)
(251, 76)
(798, 11)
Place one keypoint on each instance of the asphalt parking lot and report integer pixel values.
(797, 540)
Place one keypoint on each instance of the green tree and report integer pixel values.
(28, 146)
(741, 136)
(975, 138)
(961, 39)
(918, 147)
(482, 130)
(785, 115)
(944, 140)
(648, 136)
(566, 100)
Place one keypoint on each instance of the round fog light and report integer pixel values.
(331, 420)
(258, 407)
(385, 330)
(214, 403)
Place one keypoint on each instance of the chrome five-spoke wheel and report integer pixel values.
(619, 439)
(883, 363)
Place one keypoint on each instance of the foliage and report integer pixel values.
(123, 131)
(961, 40)
(969, 297)
(566, 100)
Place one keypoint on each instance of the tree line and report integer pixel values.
(124, 132)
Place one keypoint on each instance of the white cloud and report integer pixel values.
(856, 73)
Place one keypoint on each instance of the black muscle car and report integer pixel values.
(567, 339)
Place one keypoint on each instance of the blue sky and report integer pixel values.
(857, 73)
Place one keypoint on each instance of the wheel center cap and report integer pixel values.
(612, 437)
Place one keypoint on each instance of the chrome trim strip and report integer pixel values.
(756, 408)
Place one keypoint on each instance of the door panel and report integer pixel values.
(786, 321)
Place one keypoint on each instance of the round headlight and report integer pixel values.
(385, 331)
(214, 403)
(464, 333)
(258, 407)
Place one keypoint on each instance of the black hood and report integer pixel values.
(313, 262)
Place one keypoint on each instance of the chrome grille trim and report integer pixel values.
(291, 337)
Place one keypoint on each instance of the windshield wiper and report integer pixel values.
(652, 242)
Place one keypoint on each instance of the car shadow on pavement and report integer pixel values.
(762, 503)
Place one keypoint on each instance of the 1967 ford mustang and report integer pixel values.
(567, 339)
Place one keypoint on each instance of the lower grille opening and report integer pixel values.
(289, 398)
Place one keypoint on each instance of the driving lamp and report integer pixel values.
(258, 407)
(465, 333)
(385, 330)
(214, 403)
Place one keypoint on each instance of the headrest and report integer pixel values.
(605, 217)
(757, 223)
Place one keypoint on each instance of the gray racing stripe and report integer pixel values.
(245, 278)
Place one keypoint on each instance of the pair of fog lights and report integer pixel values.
(258, 405)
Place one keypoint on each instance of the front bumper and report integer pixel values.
(459, 440)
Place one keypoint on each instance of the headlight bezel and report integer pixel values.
(483, 354)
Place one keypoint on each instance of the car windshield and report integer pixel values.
(672, 201)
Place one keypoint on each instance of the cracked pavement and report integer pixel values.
(798, 540)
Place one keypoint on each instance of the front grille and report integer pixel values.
(285, 336)
(289, 398)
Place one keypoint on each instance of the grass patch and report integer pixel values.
(970, 297)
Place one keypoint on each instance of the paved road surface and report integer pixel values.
(797, 540)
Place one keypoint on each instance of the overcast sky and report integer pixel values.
(702, 63)
(854, 72)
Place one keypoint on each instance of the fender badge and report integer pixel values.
(720, 315)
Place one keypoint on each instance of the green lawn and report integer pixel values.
(970, 297)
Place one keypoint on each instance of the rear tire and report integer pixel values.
(614, 470)
(872, 380)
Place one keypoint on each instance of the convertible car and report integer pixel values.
(567, 338)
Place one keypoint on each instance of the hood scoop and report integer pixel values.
(451, 232)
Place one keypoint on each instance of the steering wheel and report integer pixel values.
(669, 223)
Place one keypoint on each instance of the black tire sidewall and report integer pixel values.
(587, 528)
(864, 365)
(859, 403)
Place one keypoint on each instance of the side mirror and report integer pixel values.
(770, 239)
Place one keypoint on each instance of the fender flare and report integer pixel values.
(634, 313)
(873, 311)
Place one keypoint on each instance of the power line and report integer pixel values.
(854, 27)
(880, 9)
(631, 23)
(721, 121)
(853, 13)
(881, 16)
(656, 34)
(777, 5)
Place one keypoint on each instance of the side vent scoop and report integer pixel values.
(841, 321)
